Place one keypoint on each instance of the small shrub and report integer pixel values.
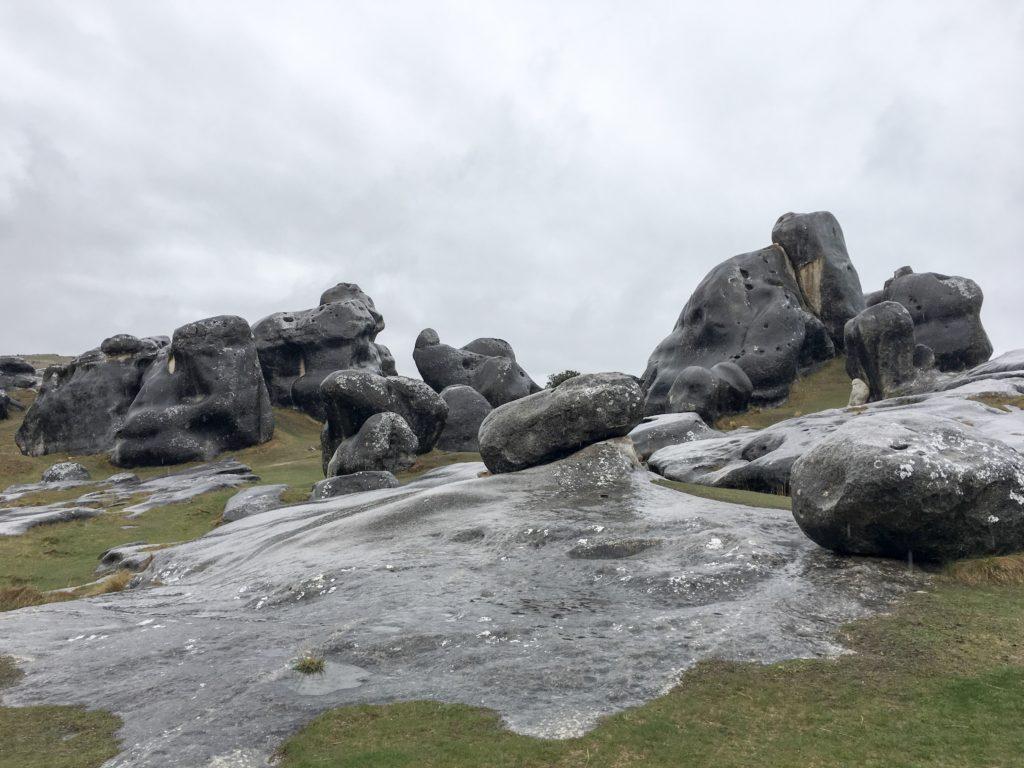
(309, 665)
(557, 378)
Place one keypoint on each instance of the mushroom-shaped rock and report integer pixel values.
(65, 471)
(83, 403)
(204, 394)
(880, 350)
(816, 248)
(357, 482)
(384, 442)
(557, 422)
(916, 486)
(352, 397)
(487, 365)
(748, 310)
(467, 410)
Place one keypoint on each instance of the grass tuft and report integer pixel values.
(1007, 570)
(309, 665)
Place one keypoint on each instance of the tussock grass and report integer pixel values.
(1007, 570)
(309, 665)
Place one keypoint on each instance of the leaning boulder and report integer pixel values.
(384, 442)
(82, 404)
(352, 397)
(487, 365)
(816, 248)
(467, 410)
(204, 394)
(917, 486)
(557, 422)
(946, 312)
(880, 351)
(64, 472)
(298, 349)
(749, 310)
(357, 482)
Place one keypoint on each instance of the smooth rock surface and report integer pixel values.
(656, 432)
(917, 486)
(467, 410)
(556, 422)
(455, 587)
(384, 442)
(252, 501)
(357, 482)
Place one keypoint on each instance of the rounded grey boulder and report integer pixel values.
(253, 500)
(655, 432)
(556, 422)
(64, 472)
(17, 373)
(917, 486)
(880, 350)
(711, 393)
(467, 410)
(384, 442)
(357, 482)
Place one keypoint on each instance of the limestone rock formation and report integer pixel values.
(816, 248)
(253, 500)
(655, 432)
(880, 351)
(357, 482)
(557, 422)
(487, 365)
(467, 409)
(83, 403)
(65, 471)
(946, 312)
(17, 373)
(384, 442)
(748, 310)
(352, 397)
(204, 394)
(298, 349)
(711, 393)
(915, 486)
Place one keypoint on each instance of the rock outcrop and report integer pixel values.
(357, 482)
(352, 397)
(748, 310)
(711, 393)
(556, 422)
(204, 394)
(467, 410)
(83, 403)
(384, 442)
(252, 501)
(915, 486)
(946, 312)
(17, 373)
(816, 248)
(298, 349)
(881, 352)
(65, 471)
(487, 365)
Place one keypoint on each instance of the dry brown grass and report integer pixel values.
(999, 400)
(1007, 570)
(24, 596)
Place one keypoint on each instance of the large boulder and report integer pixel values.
(298, 349)
(655, 432)
(384, 442)
(487, 365)
(204, 394)
(83, 403)
(946, 312)
(17, 373)
(556, 422)
(915, 486)
(711, 393)
(881, 351)
(5, 404)
(65, 471)
(467, 410)
(749, 310)
(816, 248)
(352, 397)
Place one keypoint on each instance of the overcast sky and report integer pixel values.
(558, 174)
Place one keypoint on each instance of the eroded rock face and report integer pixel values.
(556, 422)
(748, 310)
(17, 373)
(656, 432)
(711, 393)
(914, 486)
(357, 482)
(946, 312)
(816, 248)
(82, 404)
(467, 410)
(487, 365)
(881, 351)
(298, 349)
(384, 442)
(352, 397)
(204, 394)
(64, 471)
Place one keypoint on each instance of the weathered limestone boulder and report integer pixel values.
(711, 393)
(384, 442)
(357, 482)
(204, 394)
(467, 410)
(352, 397)
(298, 349)
(65, 471)
(655, 432)
(487, 365)
(82, 404)
(17, 373)
(946, 312)
(252, 501)
(816, 248)
(880, 351)
(557, 422)
(5, 404)
(134, 557)
(915, 486)
(748, 310)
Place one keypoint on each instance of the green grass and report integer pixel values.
(730, 495)
(53, 737)
(939, 683)
(826, 387)
(309, 665)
